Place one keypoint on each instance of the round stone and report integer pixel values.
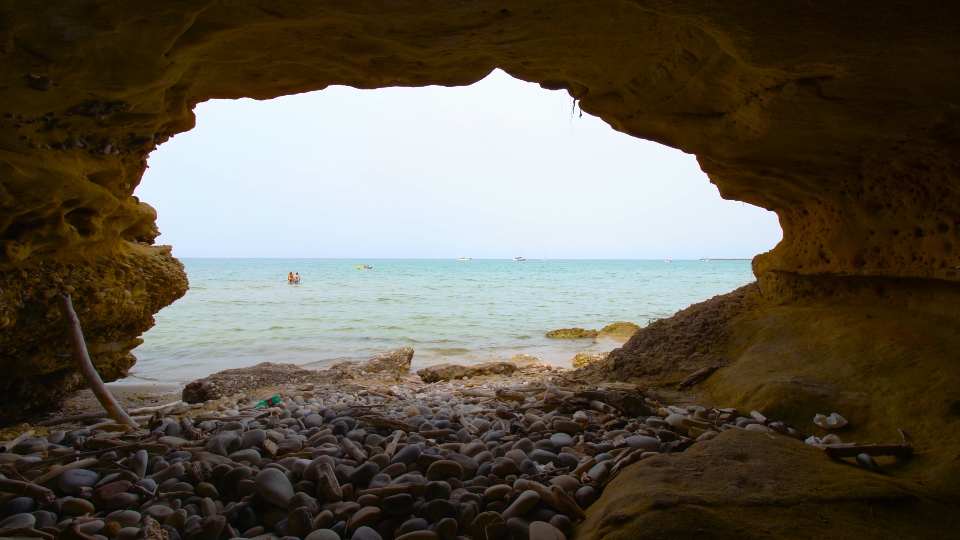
(124, 518)
(540, 530)
(503, 467)
(18, 520)
(77, 507)
(366, 533)
(71, 482)
(642, 442)
(205, 489)
(443, 469)
(521, 505)
(274, 486)
(407, 455)
(322, 534)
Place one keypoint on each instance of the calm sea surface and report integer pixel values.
(240, 312)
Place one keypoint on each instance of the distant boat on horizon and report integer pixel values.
(668, 260)
(464, 258)
(519, 259)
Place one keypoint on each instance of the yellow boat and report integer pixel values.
(365, 267)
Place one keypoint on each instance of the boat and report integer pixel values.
(704, 259)
(519, 259)
(464, 258)
(668, 260)
(364, 267)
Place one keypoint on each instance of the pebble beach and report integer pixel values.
(364, 451)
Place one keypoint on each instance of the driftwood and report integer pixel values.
(74, 418)
(387, 423)
(696, 377)
(20, 438)
(626, 402)
(898, 450)
(85, 366)
(27, 489)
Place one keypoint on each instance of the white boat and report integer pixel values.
(464, 258)
(519, 259)
(668, 260)
(704, 259)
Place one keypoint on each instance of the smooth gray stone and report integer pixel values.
(503, 467)
(323, 534)
(249, 455)
(561, 440)
(225, 443)
(519, 528)
(642, 442)
(254, 437)
(300, 523)
(437, 490)
(469, 465)
(18, 520)
(71, 481)
(361, 476)
(138, 463)
(407, 455)
(412, 525)
(44, 519)
(366, 533)
(540, 530)
(543, 457)
(521, 505)
(125, 518)
(159, 513)
(20, 505)
(599, 472)
(128, 533)
(274, 486)
(379, 481)
(867, 462)
(585, 496)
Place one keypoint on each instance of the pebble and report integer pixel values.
(316, 469)
(18, 520)
(545, 531)
(274, 486)
(867, 462)
(72, 482)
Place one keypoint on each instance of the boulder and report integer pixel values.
(571, 333)
(447, 372)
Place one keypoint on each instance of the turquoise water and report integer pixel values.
(239, 312)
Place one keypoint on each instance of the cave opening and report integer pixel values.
(320, 182)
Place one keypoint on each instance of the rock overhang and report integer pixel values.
(841, 120)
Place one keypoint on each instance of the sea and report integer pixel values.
(240, 312)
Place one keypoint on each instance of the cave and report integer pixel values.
(842, 120)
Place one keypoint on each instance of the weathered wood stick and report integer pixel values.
(20, 438)
(26, 489)
(898, 450)
(56, 471)
(696, 377)
(85, 366)
(74, 418)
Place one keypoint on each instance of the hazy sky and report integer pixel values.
(492, 170)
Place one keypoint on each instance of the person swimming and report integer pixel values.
(290, 277)
(296, 277)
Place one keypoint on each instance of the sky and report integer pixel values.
(490, 171)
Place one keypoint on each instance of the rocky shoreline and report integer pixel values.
(363, 451)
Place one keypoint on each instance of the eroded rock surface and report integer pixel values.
(449, 372)
(746, 484)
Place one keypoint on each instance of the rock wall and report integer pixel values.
(840, 118)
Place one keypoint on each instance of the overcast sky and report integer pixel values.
(493, 170)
